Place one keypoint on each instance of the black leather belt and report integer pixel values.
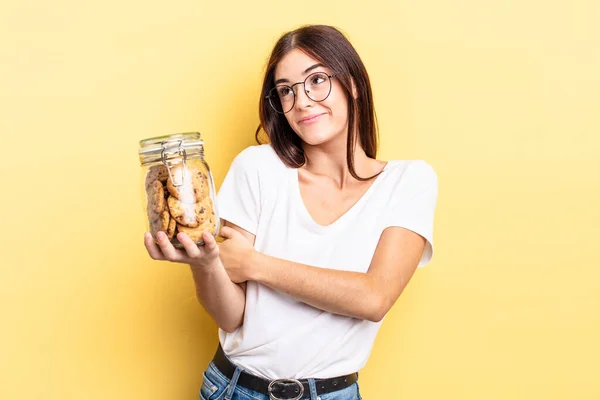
(290, 389)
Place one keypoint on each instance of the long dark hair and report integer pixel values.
(331, 48)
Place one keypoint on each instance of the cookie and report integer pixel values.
(185, 214)
(156, 200)
(204, 210)
(210, 224)
(157, 173)
(155, 226)
(165, 219)
(196, 233)
(171, 229)
(161, 223)
(187, 184)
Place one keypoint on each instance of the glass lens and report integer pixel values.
(317, 86)
(274, 100)
(282, 98)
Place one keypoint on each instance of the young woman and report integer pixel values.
(321, 238)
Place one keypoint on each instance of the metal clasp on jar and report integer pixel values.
(164, 156)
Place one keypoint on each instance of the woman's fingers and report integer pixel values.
(191, 248)
(167, 248)
(192, 254)
(226, 232)
(152, 248)
(210, 244)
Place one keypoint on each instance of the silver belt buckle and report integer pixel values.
(297, 382)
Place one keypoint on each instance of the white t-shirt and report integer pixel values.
(282, 337)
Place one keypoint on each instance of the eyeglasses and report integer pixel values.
(317, 87)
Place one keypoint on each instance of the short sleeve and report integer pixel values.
(238, 200)
(414, 204)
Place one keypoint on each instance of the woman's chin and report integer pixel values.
(319, 139)
(312, 140)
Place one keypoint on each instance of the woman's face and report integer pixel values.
(314, 122)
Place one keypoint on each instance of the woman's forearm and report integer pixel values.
(224, 300)
(347, 293)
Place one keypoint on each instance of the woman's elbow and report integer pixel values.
(231, 324)
(230, 328)
(377, 308)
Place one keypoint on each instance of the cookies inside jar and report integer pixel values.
(178, 200)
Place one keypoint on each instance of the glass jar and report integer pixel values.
(177, 187)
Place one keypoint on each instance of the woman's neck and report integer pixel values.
(329, 160)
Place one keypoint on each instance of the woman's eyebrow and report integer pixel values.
(306, 71)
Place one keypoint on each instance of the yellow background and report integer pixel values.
(502, 98)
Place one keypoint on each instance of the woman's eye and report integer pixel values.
(284, 91)
(318, 79)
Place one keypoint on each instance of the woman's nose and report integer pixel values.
(302, 99)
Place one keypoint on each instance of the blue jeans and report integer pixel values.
(216, 386)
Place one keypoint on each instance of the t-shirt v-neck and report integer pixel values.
(307, 218)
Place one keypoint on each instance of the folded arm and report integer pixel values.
(366, 296)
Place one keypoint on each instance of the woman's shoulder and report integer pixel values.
(411, 172)
(260, 159)
(258, 155)
(410, 167)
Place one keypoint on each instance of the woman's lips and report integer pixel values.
(310, 119)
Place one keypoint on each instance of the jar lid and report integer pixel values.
(153, 149)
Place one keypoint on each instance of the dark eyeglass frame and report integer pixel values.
(303, 83)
